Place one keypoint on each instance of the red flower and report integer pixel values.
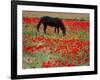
(75, 50)
(47, 64)
(65, 63)
(71, 65)
(79, 62)
(57, 60)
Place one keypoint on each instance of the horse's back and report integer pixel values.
(49, 19)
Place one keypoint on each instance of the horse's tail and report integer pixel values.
(62, 27)
(39, 24)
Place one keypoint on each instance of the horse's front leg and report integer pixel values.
(45, 26)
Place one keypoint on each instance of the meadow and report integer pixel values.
(42, 50)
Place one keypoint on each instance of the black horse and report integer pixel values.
(53, 22)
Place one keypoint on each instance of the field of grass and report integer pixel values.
(42, 50)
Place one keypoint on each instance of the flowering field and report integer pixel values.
(53, 49)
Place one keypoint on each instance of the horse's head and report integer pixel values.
(61, 25)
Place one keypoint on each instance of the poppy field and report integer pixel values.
(52, 49)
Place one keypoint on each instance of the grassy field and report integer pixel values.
(42, 50)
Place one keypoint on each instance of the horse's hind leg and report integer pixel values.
(58, 30)
(55, 29)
